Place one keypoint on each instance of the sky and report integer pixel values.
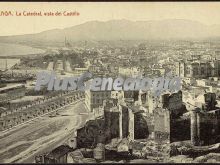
(205, 12)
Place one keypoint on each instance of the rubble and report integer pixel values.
(184, 148)
(209, 158)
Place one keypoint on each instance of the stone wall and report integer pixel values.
(162, 124)
(179, 130)
(112, 124)
(92, 133)
(208, 127)
(125, 122)
(142, 126)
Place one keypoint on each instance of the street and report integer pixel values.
(23, 143)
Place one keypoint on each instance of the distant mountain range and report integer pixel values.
(122, 30)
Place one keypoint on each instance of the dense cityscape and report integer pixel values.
(112, 126)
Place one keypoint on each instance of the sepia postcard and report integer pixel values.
(109, 82)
